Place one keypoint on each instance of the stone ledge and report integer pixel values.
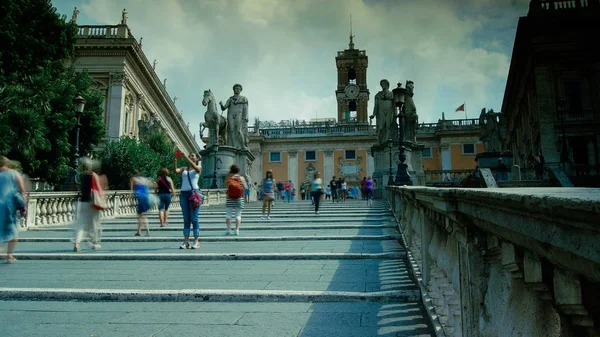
(212, 256)
(411, 294)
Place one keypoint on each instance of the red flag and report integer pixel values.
(460, 108)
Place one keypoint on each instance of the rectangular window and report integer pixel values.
(350, 154)
(468, 149)
(310, 155)
(275, 157)
(427, 152)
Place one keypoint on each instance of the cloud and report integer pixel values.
(283, 52)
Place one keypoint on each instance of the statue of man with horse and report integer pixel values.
(213, 121)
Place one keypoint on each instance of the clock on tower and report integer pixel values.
(352, 93)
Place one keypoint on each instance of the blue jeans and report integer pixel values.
(190, 216)
(165, 201)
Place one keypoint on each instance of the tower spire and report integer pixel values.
(351, 36)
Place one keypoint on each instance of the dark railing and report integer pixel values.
(445, 176)
(449, 124)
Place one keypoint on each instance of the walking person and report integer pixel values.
(369, 186)
(268, 185)
(344, 188)
(288, 191)
(248, 190)
(141, 189)
(327, 192)
(234, 204)
(189, 208)
(316, 191)
(88, 217)
(12, 192)
(333, 184)
(165, 189)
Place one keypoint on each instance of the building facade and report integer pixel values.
(552, 101)
(296, 150)
(136, 101)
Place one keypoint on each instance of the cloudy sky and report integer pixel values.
(283, 51)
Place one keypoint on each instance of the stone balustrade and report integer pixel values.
(504, 262)
(60, 208)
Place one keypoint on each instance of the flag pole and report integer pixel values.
(465, 105)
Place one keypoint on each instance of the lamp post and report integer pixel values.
(390, 176)
(78, 105)
(561, 108)
(215, 159)
(402, 175)
(70, 183)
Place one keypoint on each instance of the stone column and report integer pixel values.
(328, 166)
(370, 163)
(115, 104)
(293, 167)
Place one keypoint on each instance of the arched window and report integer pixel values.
(352, 105)
(351, 75)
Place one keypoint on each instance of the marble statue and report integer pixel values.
(154, 65)
(165, 83)
(490, 131)
(75, 14)
(237, 118)
(385, 112)
(213, 121)
(411, 119)
(141, 39)
(124, 17)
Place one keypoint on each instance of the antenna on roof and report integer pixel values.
(351, 36)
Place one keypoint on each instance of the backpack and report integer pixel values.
(235, 189)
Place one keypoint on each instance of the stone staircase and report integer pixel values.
(343, 272)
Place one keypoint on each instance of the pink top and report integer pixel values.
(287, 186)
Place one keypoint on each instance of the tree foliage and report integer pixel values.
(120, 159)
(36, 91)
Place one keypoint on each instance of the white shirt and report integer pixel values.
(185, 182)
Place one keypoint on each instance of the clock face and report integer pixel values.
(351, 91)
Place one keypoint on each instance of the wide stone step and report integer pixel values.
(351, 275)
(228, 238)
(210, 319)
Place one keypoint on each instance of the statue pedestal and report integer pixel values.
(223, 156)
(381, 154)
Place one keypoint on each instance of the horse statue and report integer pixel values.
(213, 121)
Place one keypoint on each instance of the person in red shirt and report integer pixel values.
(363, 192)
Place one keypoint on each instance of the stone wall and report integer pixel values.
(510, 262)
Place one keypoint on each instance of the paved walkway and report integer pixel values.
(340, 273)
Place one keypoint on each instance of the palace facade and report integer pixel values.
(136, 101)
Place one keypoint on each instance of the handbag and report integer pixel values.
(195, 198)
(97, 195)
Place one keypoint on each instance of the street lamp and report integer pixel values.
(390, 177)
(215, 159)
(402, 175)
(561, 108)
(78, 105)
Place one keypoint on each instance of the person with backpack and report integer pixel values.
(188, 197)
(236, 187)
(165, 189)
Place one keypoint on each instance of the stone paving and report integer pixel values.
(340, 273)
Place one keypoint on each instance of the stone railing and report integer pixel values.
(455, 177)
(519, 262)
(109, 32)
(448, 125)
(60, 208)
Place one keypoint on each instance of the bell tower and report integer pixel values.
(352, 94)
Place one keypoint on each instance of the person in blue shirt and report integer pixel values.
(268, 185)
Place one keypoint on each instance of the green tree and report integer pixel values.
(36, 90)
(121, 158)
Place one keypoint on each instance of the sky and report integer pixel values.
(283, 51)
